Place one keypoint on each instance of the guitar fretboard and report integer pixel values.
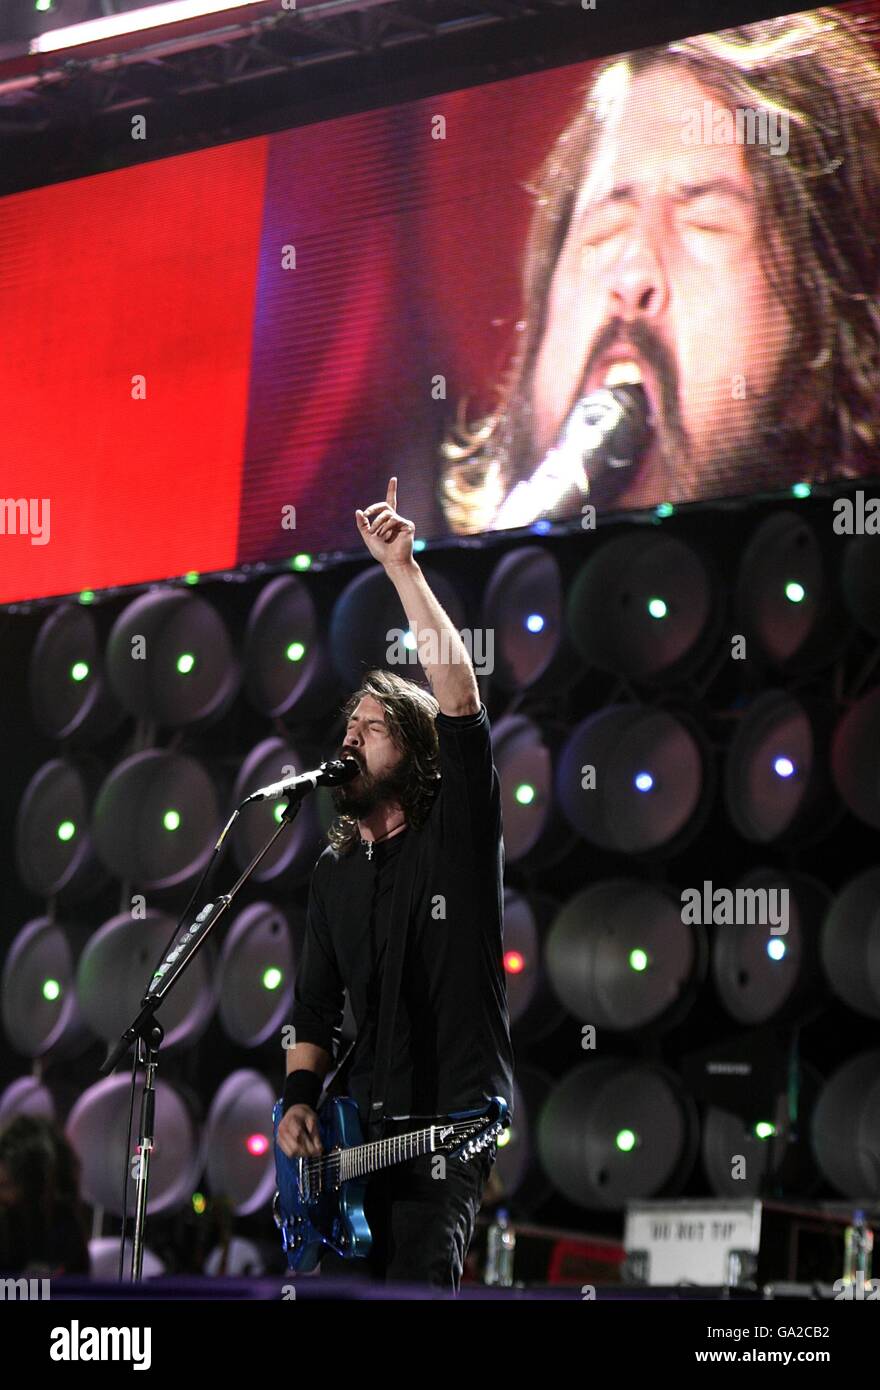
(362, 1159)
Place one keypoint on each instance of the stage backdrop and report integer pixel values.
(213, 359)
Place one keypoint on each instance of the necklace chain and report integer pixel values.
(368, 844)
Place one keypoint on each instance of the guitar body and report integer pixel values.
(318, 1215)
(319, 1204)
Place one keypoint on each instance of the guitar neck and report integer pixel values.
(362, 1159)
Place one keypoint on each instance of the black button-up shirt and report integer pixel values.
(451, 1048)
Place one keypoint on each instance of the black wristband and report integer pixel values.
(302, 1088)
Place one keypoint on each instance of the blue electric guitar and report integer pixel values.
(319, 1204)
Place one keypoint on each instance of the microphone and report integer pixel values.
(330, 774)
(606, 430)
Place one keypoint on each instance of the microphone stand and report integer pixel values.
(148, 1033)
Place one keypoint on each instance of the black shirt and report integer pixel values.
(451, 1047)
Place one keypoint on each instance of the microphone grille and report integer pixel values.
(340, 770)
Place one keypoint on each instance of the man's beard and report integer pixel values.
(768, 453)
(361, 796)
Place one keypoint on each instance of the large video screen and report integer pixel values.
(651, 278)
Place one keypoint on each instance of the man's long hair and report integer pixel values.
(410, 713)
(819, 71)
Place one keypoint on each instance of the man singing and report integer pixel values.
(678, 243)
(427, 789)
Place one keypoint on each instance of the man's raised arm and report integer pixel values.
(389, 539)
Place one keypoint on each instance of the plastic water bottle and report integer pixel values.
(858, 1245)
(500, 1246)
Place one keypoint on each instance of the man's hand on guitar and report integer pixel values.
(298, 1133)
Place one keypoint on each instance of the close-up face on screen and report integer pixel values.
(704, 228)
(648, 278)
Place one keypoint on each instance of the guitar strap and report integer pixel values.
(336, 1082)
(395, 949)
